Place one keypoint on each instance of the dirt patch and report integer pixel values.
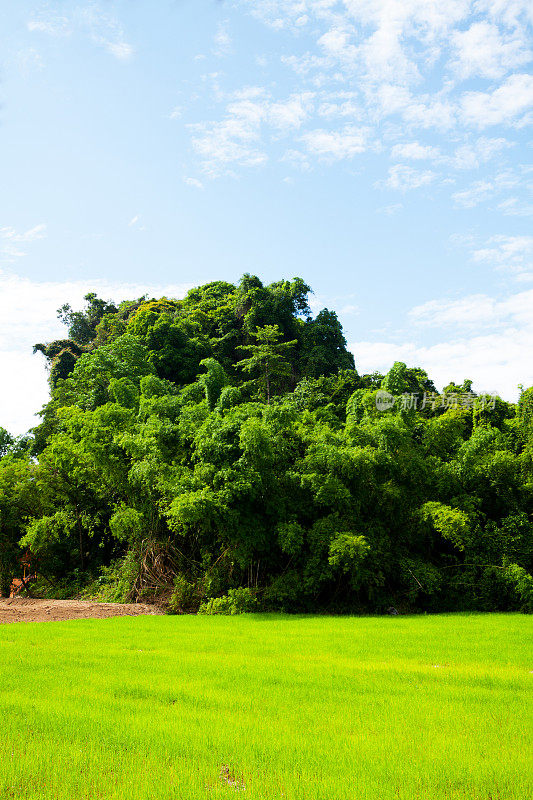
(22, 609)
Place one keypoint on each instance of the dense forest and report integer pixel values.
(222, 453)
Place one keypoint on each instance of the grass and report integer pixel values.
(268, 707)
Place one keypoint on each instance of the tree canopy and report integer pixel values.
(223, 449)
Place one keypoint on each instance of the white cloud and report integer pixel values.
(513, 253)
(415, 151)
(393, 69)
(491, 345)
(26, 377)
(482, 190)
(12, 242)
(336, 145)
(384, 57)
(237, 140)
(342, 105)
(496, 362)
(297, 160)
(475, 194)
(349, 309)
(222, 40)
(474, 310)
(28, 315)
(391, 27)
(136, 223)
(390, 210)
(404, 178)
(37, 232)
(514, 207)
(430, 112)
(29, 60)
(505, 105)
(194, 182)
(307, 64)
(472, 155)
(478, 309)
(232, 142)
(512, 13)
(121, 50)
(423, 111)
(291, 113)
(280, 14)
(50, 23)
(387, 99)
(337, 43)
(484, 51)
(102, 28)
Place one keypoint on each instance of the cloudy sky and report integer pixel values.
(380, 149)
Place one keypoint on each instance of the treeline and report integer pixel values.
(222, 452)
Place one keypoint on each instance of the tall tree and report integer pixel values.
(268, 358)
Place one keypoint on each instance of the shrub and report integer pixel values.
(522, 582)
(184, 597)
(115, 583)
(236, 601)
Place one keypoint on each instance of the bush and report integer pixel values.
(65, 589)
(522, 583)
(284, 593)
(115, 583)
(184, 597)
(236, 601)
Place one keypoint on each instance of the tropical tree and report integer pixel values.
(268, 358)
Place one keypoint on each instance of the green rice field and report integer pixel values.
(267, 706)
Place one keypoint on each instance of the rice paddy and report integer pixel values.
(268, 707)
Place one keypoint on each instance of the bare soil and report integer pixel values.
(23, 609)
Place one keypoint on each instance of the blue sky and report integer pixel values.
(380, 149)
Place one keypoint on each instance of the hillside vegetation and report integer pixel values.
(223, 453)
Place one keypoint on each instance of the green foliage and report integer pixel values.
(291, 537)
(229, 397)
(123, 392)
(82, 324)
(115, 583)
(522, 583)
(325, 346)
(15, 446)
(88, 386)
(525, 418)
(347, 551)
(237, 601)
(443, 435)
(62, 356)
(19, 498)
(6, 442)
(127, 524)
(185, 596)
(276, 472)
(147, 315)
(213, 380)
(396, 380)
(268, 359)
(451, 523)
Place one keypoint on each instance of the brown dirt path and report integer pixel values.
(23, 609)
